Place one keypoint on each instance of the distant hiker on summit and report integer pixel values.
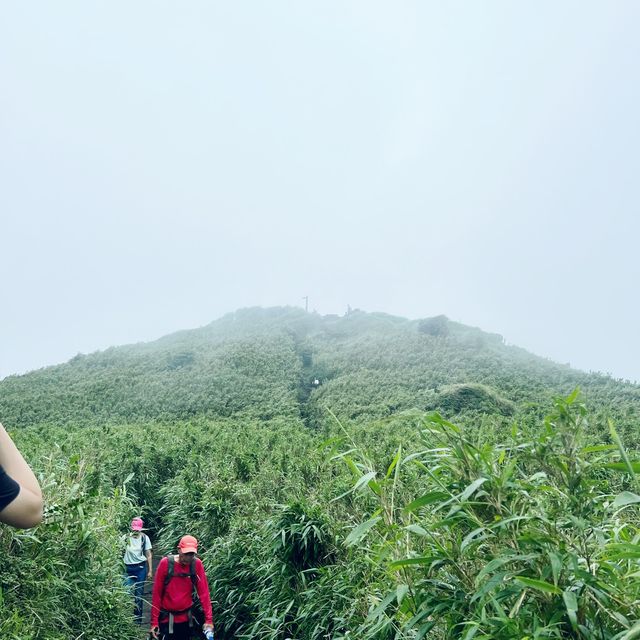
(20, 494)
(174, 614)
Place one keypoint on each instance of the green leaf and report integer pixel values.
(423, 560)
(471, 631)
(359, 532)
(631, 634)
(329, 442)
(471, 489)
(597, 448)
(427, 498)
(623, 466)
(539, 585)
(365, 479)
(556, 566)
(574, 394)
(501, 523)
(474, 536)
(381, 608)
(425, 628)
(496, 563)
(350, 463)
(623, 550)
(401, 592)
(394, 462)
(571, 603)
(623, 453)
(344, 456)
(417, 529)
(624, 499)
(624, 622)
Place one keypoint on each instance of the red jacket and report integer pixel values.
(177, 595)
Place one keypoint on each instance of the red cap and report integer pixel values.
(188, 544)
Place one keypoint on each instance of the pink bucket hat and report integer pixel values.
(137, 524)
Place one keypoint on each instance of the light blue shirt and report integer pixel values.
(133, 553)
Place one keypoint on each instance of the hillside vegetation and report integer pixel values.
(261, 363)
(358, 477)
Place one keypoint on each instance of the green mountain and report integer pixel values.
(363, 476)
(262, 363)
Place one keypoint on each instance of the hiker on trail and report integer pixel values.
(20, 494)
(138, 561)
(173, 610)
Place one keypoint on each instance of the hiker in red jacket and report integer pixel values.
(172, 602)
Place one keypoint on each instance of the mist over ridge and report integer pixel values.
(281, 362)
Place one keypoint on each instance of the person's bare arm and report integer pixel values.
(149, 555)
(26, 510)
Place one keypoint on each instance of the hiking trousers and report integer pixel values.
(136, 575)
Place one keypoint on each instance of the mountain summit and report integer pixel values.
(285, 363)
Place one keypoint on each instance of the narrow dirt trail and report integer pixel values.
(146, 605)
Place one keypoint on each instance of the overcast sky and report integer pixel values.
(163, 163)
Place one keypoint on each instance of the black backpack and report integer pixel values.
(171, 572)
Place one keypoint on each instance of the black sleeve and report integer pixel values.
(9, 489)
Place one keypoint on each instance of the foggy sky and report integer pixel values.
(164, 163)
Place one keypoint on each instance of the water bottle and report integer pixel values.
(208, 634)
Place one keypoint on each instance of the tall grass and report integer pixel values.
(411, 527)
(63, 580)
(533, 538)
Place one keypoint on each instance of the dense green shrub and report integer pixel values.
(518, 540)
(64, 579)
(438, 326)
(301, 538)
(459, 398)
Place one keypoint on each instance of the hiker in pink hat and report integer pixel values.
(138, 562)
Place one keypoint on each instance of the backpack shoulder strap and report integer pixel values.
(170, 566)
(193, 574)
(144, 542)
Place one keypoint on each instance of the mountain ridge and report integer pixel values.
(262, 362)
